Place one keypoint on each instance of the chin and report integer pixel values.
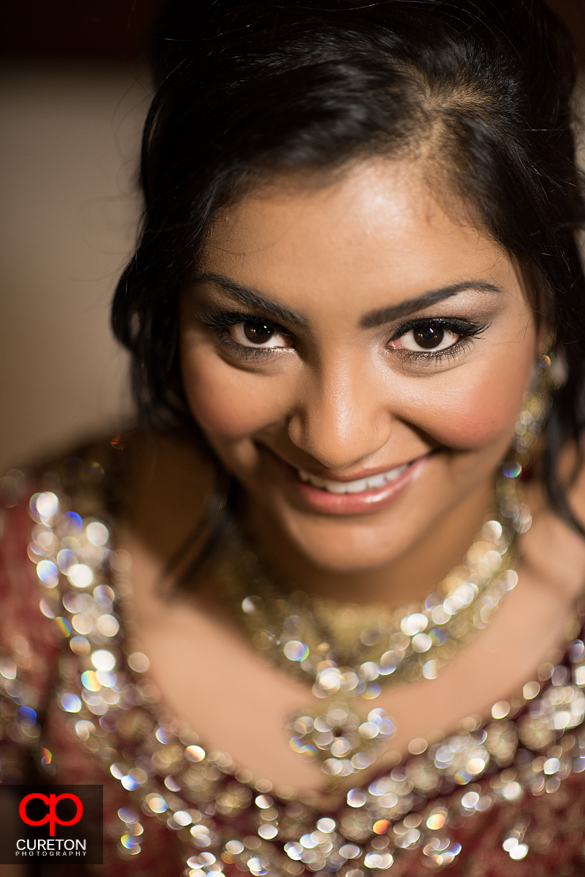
(350, 545)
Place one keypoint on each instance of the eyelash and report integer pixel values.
(221, 321)
(464, 329)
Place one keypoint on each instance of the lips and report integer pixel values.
(338, 496)
(359, 485)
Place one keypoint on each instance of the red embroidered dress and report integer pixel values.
(506, 797)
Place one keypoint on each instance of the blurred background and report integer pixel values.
(74, 89)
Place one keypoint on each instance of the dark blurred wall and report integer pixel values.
(573, 14)
(73, 95)
(117, 28)
(113, 29)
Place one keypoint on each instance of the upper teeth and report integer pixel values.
(358, 486)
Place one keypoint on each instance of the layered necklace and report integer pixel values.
(347, 653)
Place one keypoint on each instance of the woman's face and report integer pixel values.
(357, 359)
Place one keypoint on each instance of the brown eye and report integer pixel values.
(432, 338)
(257, 333)
(428, 337)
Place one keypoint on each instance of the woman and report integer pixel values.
(356, 304)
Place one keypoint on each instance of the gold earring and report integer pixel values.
(529, 424)
(535, 410)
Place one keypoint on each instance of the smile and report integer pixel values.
(357, 486)
(357, 496)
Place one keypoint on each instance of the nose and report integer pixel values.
(341, 417)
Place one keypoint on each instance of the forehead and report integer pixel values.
(376, 235)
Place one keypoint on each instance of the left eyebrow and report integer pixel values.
(412, 305)
(253, 298)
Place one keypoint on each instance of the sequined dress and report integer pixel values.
(503, 797)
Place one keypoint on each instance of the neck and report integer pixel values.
(410, 577)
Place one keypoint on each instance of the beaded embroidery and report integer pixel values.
(226, 822)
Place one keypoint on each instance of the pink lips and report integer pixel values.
(362, 503)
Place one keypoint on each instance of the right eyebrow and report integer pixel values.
(253, 298)
(412, 305)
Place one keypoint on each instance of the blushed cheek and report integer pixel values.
(478, 415)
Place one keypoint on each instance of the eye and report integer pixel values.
(431, 337)
(258, 334)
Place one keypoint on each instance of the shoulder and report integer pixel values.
(77, 483)
(156, 486)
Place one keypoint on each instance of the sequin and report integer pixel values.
(138, 662)
(379, 861)
(531, 690)
(500, 709)
(103, 596)
(82, 623)
(71, 703)
(296, 651)
(97, 533)
(49, 609)
(62, 626)
(156, 803)
(84, 728)
(413, 624)
(430, 670)
(108, 625)
(27, 715)
(421, 642)
(356, 798)
(194, 753)
(48, 573)
(514, 849)
(44, 506)
(66, 559)
(80, 575)
(90, 681)
(79, 645)
(103, 660)
(7, 668)
(74, 520)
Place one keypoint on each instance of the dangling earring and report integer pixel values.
(529, 425)
(537, 405)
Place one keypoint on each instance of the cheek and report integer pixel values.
(480, 414)
(226, 403)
